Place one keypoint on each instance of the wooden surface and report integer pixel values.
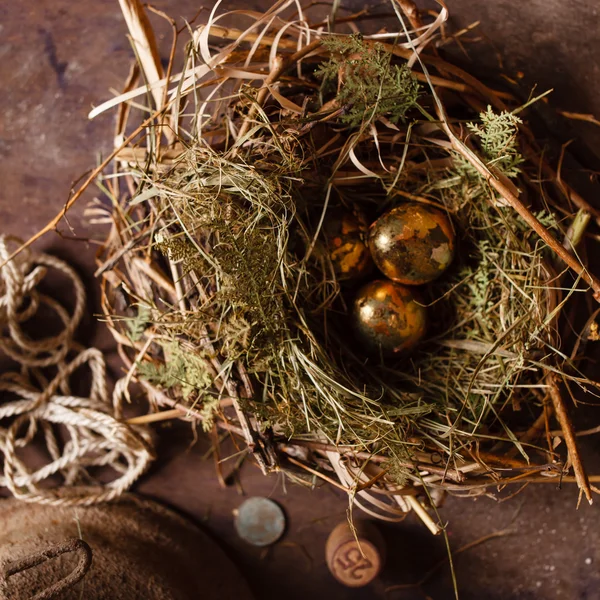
(61, 57)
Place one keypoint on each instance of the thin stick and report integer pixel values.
(531, 434)
(319, 474)
(142, 36)
(114, 259)
(280, 65)
(447, 473)
(582, 433)
(579, 117)
(495, 98)
(217, 458)
(231, 33)
(56, 220)
(566, 425)
(481, 483)
(164, 415)
(164, 400)
(503, 189)
(155, 275)
(423, 515)
(412, 13)
(367, 484)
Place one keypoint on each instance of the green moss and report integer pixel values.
(185, 370)
(368, 84)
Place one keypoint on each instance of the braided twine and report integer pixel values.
(36, 410)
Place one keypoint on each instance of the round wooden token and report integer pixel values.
(355, 561)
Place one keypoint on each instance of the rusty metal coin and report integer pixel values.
(259, 521)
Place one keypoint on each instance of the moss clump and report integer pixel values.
(368, 84)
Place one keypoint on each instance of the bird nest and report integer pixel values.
(230, 306)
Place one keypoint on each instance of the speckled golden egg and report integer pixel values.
(345, 235)
(388, 317)
(412, 243)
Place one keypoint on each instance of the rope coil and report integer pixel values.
(35, 409)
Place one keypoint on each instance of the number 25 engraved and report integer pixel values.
(354, 563)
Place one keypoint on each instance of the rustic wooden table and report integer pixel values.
(60, 57)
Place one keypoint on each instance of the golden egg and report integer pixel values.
(345, 235)
(388, 317)
(412, 243)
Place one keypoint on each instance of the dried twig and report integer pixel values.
(142, 36)
(76, 195)
(412, 12)
(579, 117)
(566, 426)
(507, 194)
